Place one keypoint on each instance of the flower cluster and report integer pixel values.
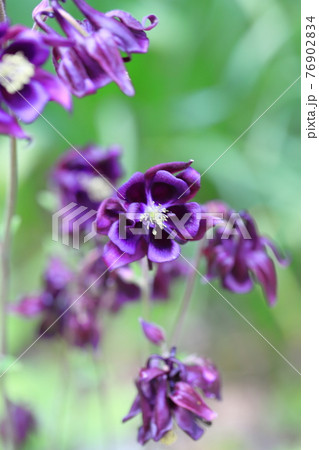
(167, 390)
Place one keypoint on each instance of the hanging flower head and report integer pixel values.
(167, 391)
(151, 215)
(25, 88)
(94, 59)
(237, 255)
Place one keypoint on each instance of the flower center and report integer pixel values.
(15, 72)
(97, 188)
(154, 215)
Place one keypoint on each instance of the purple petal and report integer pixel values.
(29, 306)
(187, 422)
(162, 250)
(134, 189)
(107, 214)
(165, 187)
(186, 397)
(192, 179)
(31, 45)
(162, 415)
(135, 409)
(55, 88)
(10, 126)
(147, 375)
(114, 257)
(264, 269)
(152, 332)
(187, 220)
(28, 103)
(171, 167)
(124, 239)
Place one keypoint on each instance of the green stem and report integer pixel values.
(180, 319)
(3, 15)
(5, 253)
(146, 294)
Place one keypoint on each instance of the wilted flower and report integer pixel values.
(167, 390)
(86, 177)
(94, 59)
(238, 256)
(22, 423)
(25, 88)
(151, 215)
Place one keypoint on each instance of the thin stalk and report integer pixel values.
(146, 291)
(3, 15)
(180, 319)
(5, 253)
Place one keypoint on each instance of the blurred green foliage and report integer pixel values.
(213, 68)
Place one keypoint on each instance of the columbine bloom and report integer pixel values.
(85, 178)
(94, 59)
(22, 423)
(167, 390)
(25, 88)
(151, 215)
(239, 256)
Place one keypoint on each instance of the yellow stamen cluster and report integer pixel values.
(154, 215)
(15, 72)
(169, 438)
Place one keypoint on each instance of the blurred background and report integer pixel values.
(213, 67)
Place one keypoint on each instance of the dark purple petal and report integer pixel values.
(187, 422)
(162, 250)
(107, 214)
(186, 397)
(204, 375)
(162, 414)
(114, 257)
(192, 179)
(135, 409)
(125, 240)
(29, 306)
(134, 189)
(153, 332)
(31, 45)
(55, 88)
(264, 270)
(166, 187)
(186, 221)
(10, 126)
(147, 375)
(28, 103)
(171, 167)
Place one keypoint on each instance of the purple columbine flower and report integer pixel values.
(151, 215)
(22, 424)
(238, 256)
(167, 390)
(81, 326)
(25, 88)
(94, 59)
(85, 178)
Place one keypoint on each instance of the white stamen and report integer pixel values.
(155, 216)
(15, 72)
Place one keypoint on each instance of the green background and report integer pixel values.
(213, 68)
